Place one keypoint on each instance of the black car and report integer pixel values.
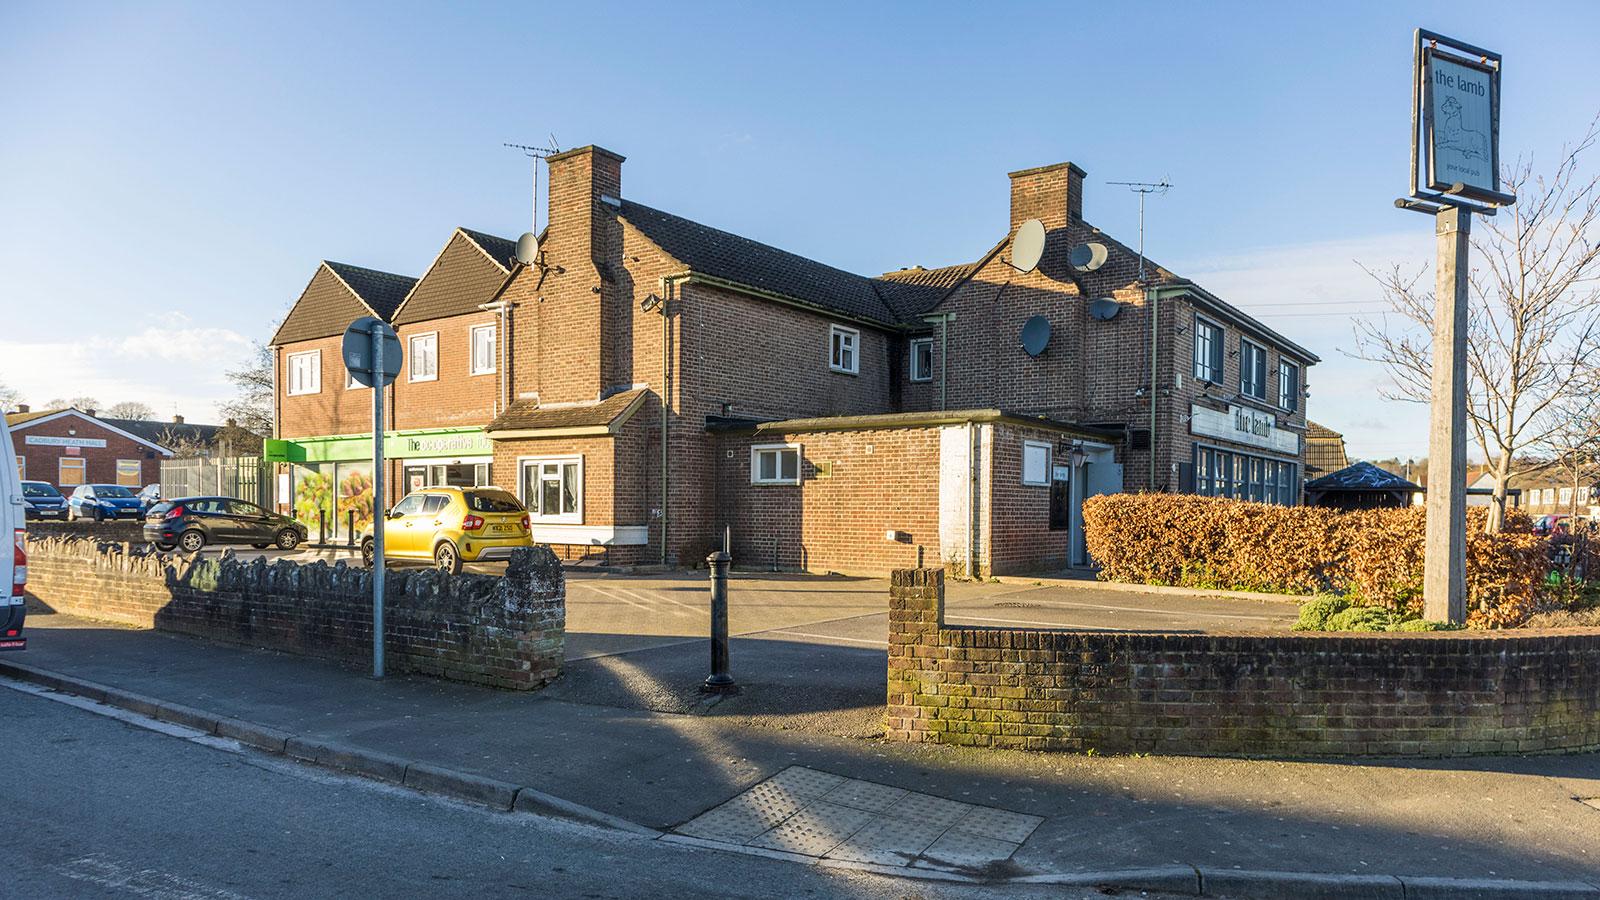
(43, 501)
(190, 523)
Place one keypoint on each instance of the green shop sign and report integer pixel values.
(396, 445)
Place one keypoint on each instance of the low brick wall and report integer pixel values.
(132, 532)
(505, 632)
(1294, 694)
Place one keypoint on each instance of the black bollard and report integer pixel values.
(719, 681)
(322, 527)
(350, 528)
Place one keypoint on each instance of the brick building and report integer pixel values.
(69, 447)
(650, 381)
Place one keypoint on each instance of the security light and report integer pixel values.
(650, 303)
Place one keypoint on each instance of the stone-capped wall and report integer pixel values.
(1291, 694)
(505, 632)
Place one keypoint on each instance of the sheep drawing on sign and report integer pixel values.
(1453, 136)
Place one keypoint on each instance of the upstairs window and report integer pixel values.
(922, 359)
(1207, 351)
(305, 372)
(845, 349)
(775, 464)
(1252, 370)
(483, 361)
(1288, 385)
(424, 357)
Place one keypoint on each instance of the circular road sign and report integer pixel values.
(358, 351)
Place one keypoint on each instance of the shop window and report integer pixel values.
(922, 359)
(775, 464)
(424, 358)
(1288, 385)
(69, 472)
(305, 372)
(483, 361)
(1252, 369)
(552, 489)
(845, 349)
(129, 472)
(1035, 463)
(1207, 351)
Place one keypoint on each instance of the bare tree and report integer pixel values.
(83, 403)
(1533, 334)
(9, 398)
(131, 409)
(251, 407)
(1571, 443)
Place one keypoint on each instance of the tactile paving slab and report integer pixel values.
(812, 813)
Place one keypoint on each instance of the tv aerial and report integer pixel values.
(1144, 189)
(528, 244)
(1027, 248)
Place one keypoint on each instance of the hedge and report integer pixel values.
(1371, 557)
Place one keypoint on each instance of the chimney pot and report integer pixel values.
(89, 413)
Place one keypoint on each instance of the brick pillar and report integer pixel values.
(916, 610)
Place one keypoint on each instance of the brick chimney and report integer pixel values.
(22, 407)
(584, 301)
(1051, 194)
(89, 413)
(177, 420)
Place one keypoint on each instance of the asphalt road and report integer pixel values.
(96, 807)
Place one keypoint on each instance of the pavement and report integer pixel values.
(625, 737)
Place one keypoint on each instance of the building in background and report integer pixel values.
(1325, 452)
(69, 447)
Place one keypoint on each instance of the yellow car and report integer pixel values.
(451, 525)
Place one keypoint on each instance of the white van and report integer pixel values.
(14, 553)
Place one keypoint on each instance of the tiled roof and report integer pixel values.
(526, 415)
(502, 250)
(460, 280)
(720, 254)
(162, 432)
(17, 418)
(912, 292)
(383, 291)
(1324, 449)
(1362, 476)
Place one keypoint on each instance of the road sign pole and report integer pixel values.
(379, 508)
(1444, 581)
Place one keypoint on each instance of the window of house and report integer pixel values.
(552, 489)
(1288, 385)
(350, 382)
(775, 464)
(69, 472)
(1252, 369)
(129, 472)
(424, 357)
(922, 359)
(845, 352)
(1207, 351)
(1583, 496)
(1565, 498)
(1035, 463)
(305, 372)
(483, 361)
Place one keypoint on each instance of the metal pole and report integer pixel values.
(719, 681)
(1444, 581)
(379, 507)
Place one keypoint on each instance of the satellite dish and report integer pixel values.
(1088, 257)
(1035, 335)
(1028, 246)
(528, 249)
(1104, 308)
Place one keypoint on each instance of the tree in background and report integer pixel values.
(131, 409)
(1571, 445)
(83, 403)
(251, 408)
(1533, 334)
(9, 398)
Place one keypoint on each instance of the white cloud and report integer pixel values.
(1312, 294)
(165, 361)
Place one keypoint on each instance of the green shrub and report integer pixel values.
(1361, 618)
(1422, 625)
(1315, 613)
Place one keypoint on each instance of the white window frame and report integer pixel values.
(297, 386)
(1288, 400)
(138, 475)
(412, 356)
(1043, 479)
(532, 503)
(915, 344)
(82, 466)
(472, 349)
(756, 451)
(841, 339)
(1208, 368)
(1257, 349)
(350, 382)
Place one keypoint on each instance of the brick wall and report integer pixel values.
(456, 398)
(132, 532)
(502, 632)
(42, 463)
(333, 408)
(1446, 693)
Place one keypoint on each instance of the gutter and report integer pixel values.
(1238, 317)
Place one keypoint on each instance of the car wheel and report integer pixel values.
(99, 515)
(165, 547)
(191, 541)
(446, 558)
(288, 539)
(369, 553)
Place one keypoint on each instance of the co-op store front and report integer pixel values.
(326, 481)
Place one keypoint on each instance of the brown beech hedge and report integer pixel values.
(1373, 557)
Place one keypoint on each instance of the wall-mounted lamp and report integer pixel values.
(1077, 455)
(1232, 353)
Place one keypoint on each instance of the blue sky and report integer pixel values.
(172, 173)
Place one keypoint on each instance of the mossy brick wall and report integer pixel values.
(133, 532)
(1294, 694)
(505, 632)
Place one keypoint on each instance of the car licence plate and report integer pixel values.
(499, 529)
